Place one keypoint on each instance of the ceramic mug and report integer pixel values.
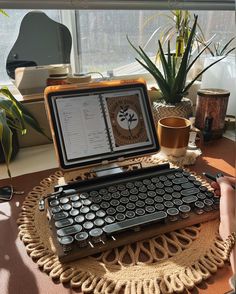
(173, 135)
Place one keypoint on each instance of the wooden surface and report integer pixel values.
(20, 275)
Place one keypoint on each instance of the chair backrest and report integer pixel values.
(41, 41)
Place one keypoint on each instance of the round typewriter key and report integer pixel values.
(56, 209)
(186, 174)
(201, 196)
(116, 195)
(120, 208)
(64, 200)
(130, 214)
(150, 209)
(115, 202)
(138, 184)
(109, 219)
(74, 212)
(142, 189)
(177, 202)
(105, 205)
(60, 215)
(203, 188)
(208, 204)
(112, 189)
(64, 223)
(140, 203)
(130, 206)
(99, 222)
(129, 185)
(176, 188)
(140, 211)
(85, 195)
(133, 198)
(169, 190)
(146, 182)
(94, 207)
(168, 183)
(81, 239)
(167, 197)
(178, 175)
(93, 193)
(151, 187)
(168, 204)
(90, 216)
(103, 191)
(66, 207)
(149, 201)
(120, 217)
(150, 194)
(101, 213)
(184, 210)
(216, 202)
(121, 187)
(97, 199)
(88, 225)
(84, 209)
(74, 197)
(79, 219)
(173, 214)
(76, 204)
(159, 185)
(96, 235)
(209, 194)
(155, 180)
(191, 178)
(111, 211)
(160, 191)
(134, 191)
(66, 243)
(199, 205)
(159, 206)
(158, 199)
(86, 202)
(54, 203)
(124, 193)
(124, 200)
(163, 178)
(197, 183)
(176, 195)
(171, 176)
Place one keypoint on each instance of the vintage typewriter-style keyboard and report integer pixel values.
(102, 213)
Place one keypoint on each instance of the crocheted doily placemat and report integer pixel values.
(167, 263)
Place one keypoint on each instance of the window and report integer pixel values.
(99, 36)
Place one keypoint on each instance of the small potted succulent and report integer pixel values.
(172, 80)
(13, 119)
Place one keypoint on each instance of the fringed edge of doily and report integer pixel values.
(49, 263)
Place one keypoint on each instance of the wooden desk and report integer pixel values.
(20, 275)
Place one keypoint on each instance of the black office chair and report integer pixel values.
(41, 41)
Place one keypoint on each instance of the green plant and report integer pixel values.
(172, 82)
(13, 115)
(220, 50)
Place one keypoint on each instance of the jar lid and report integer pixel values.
(58, 70)
(213, 92)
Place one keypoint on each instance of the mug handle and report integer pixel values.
(195, 135)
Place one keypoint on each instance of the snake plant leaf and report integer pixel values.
(5, 139)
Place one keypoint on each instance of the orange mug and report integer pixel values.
(173, 135)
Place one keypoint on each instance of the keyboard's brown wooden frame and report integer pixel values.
(131, 236)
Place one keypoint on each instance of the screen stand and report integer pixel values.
(109, 169)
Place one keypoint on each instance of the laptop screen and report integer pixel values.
(101, 123)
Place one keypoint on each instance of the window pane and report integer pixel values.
(102, 35)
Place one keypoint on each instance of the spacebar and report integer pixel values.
(137, 221)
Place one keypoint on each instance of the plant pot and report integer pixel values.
(161, 109)
(15, 147)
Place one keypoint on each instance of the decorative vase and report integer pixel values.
(161, 109)
(15, 146)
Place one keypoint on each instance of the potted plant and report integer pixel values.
(172, 82)
(13, 118)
